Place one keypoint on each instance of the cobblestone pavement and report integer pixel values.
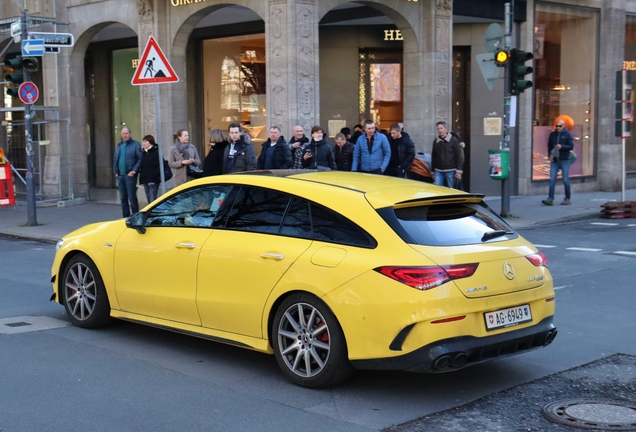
(518, 409)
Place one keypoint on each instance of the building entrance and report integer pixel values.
(381, 98)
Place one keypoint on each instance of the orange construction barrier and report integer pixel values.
(7, 194)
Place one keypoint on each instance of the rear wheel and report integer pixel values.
(85, 297)
(309, 344)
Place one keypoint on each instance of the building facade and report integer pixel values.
(328, 62)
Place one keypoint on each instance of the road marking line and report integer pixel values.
(628, 253)
(543, 246)
(631, 224)
(604, 223)
(584, 249)
(561, 287)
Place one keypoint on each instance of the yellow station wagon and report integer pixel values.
(328, 271)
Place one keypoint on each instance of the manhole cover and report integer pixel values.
(592, 414)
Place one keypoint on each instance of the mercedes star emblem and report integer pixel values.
(508, 271)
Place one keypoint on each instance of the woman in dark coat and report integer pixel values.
(213, 163)
(318, 154)
(149, 171)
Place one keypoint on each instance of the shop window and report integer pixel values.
(565, 58)
(630, 64)
(234, 84)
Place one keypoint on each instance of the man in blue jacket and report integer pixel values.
(560, 141)
(372, 153)
(125, 167)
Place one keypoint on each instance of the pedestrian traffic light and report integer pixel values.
(19, 64)
(501, 57)
(518, 70)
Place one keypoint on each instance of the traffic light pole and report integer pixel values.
(30, 184)
(505, 184)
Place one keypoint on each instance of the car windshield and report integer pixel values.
(448, 224)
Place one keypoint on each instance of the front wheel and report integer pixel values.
(85, 297)
(309, 344)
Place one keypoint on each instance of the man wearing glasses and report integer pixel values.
(559, 145)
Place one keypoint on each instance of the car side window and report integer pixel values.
(258, 210)
(297, 222)
(332, 227)
(195, 207)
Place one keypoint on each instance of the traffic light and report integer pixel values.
(19, 64)
(501, 57)
(518, 70)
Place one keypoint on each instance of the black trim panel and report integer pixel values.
(189, 333)
(477, 349)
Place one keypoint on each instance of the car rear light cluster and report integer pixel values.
(538, 259)
(425, 278)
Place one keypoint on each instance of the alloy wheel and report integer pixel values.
(80, 291)
(304, 340)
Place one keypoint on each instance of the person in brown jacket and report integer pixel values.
(446, 158)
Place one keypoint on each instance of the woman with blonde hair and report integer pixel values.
(182, 153)
(213, 163)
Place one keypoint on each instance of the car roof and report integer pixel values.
(380, 191)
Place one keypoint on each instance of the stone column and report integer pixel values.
(292, 64)
(611, 54)
(427, 73)
(443, 54)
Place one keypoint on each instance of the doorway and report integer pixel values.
(381, 95)
(461, 105)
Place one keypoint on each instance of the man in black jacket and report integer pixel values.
(343, 153)
(560, 142)
(275, 153)
(402, 152)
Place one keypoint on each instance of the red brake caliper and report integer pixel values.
(324, 336)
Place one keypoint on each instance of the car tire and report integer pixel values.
(85, 296)
(309, 344)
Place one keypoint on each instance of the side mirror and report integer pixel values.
(138, 222)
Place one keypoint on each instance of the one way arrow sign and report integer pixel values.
(33, 47)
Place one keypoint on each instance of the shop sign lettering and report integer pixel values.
(393, 35)
(629, 65)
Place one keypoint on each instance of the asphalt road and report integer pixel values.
(131, 377)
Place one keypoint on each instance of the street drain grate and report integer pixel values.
(17, 324)
(592, 414)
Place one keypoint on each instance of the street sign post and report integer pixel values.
(33, 47)
(62, 40)
(154, 68)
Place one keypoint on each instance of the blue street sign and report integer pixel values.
(33, 47)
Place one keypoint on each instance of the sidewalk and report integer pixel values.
(527, 211)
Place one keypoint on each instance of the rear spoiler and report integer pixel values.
(448, 199)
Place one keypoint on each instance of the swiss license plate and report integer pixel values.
(508, 317)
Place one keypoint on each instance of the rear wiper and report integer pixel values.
(494, 234)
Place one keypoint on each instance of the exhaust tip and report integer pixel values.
(549, 337)
(441, 362)
(459, 360)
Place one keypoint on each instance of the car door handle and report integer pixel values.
(271, 255)
(185, 245)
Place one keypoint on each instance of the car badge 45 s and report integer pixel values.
(479, 288)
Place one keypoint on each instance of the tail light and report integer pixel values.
(538, 259)
(425, 278)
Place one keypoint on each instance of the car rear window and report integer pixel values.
(449, 224)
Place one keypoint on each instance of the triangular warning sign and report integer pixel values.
(154, 67)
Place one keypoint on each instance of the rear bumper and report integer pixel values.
(455, 353)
